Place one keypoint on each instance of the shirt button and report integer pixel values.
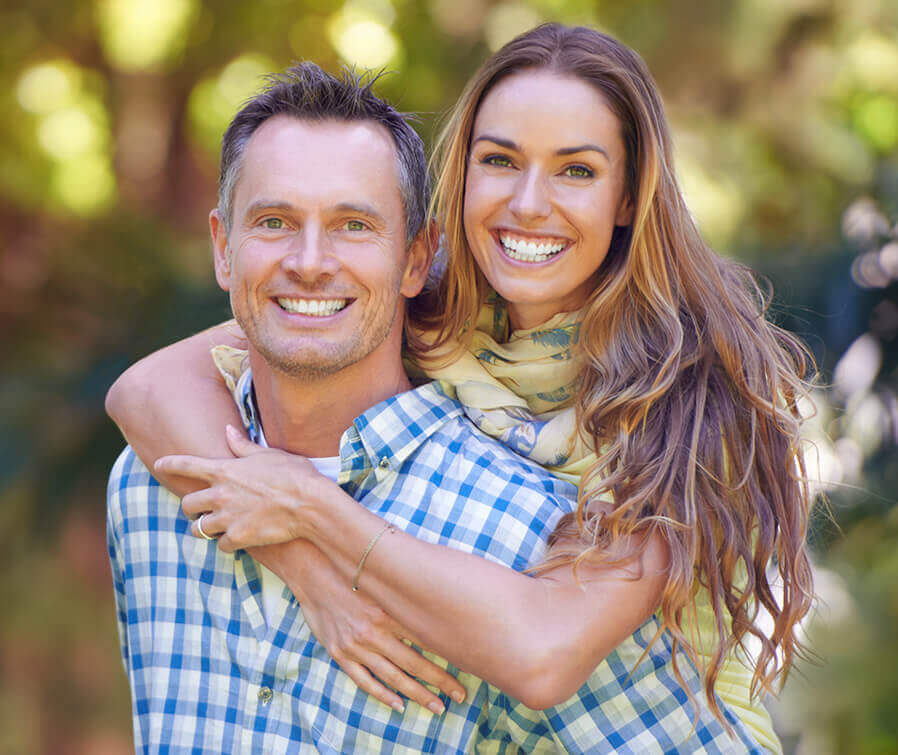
(265, 695)
(384, 462)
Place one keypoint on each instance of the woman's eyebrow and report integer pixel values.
(508, 144)
(583, 148)
(498, 140)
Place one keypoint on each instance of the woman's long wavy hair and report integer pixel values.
(688, 393)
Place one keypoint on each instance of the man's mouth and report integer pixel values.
(312, 307)
(530, 249)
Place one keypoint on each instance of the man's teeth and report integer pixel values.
(530, 251)
(314, 307)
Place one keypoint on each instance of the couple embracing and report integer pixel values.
(550, 529)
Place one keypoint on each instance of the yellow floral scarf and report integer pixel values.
(519, 387)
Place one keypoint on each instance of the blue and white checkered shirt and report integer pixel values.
(209, 675)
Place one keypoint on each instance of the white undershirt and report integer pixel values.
(272, 584)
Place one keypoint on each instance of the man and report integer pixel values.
(319, 238)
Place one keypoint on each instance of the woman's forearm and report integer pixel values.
(174, 401)
(538, 639)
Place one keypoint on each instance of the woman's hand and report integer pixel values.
(253, 499)
(367, 643)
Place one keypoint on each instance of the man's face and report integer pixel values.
(316, 261)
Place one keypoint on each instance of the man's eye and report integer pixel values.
(354, 225)
(500, 161)
(578, 171)
(275, 224)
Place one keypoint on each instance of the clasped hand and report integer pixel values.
(255, 501)
(252, 499)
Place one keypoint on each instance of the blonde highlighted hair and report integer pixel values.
(688, 393)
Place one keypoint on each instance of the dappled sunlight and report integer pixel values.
(785, 120)
(867, 422)
(863, 222)
(85, 184)
(71, 132)
(141, 35)
(877, 264)
(216, 98)
(858, 367)
(360, 33)
(716, 202)
(506, 20)
(365, 42)
(48, 86)
(872, 61)
(877, 119)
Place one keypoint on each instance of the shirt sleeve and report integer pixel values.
(114, 526)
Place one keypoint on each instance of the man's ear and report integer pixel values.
(220, 250)
(419, 256)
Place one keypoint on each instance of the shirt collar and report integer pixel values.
(392, 430)
(388, 432)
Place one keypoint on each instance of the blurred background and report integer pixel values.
(785, 114)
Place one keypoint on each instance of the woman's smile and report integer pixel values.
(529, 249)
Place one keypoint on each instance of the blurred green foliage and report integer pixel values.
(785, 115)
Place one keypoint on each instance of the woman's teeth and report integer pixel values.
(314, 307)
(530, 251)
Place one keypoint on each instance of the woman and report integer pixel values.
(610, 345)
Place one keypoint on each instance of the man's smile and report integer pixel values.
(313, 307)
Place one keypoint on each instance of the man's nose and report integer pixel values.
(311, 254)
(531, 197)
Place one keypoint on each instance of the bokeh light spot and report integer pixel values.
(877, 120)
(858, 367)
(873, 59)
(142, 34)
(362, 40)
(85, 185)
(242, 78)
(215, 100)
(888, 259)
(505, 21)
(70, 132)
(863, 221)
(716, 203)
(48, 86)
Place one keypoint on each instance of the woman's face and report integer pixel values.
(544, 191)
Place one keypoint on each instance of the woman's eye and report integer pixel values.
(274, 224)
(578, 171)
(354, 225)
(500, 161)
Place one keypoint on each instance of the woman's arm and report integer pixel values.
(536, 639)
(367, 643)
(174, 401)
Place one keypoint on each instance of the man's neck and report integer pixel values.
(308, 417)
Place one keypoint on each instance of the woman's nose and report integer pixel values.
(531, 198)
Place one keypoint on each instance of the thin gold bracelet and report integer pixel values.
(358, 571)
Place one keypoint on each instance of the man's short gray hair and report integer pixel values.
(306, 92)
